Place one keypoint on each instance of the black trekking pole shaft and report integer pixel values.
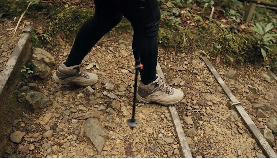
(135, 93)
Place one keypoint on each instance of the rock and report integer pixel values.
(191, 132)
(93, 130)
(122, 42)
(116, 105)
(46, 146)
(31, 147)
(124, 111)
(38, 100)
(188, 120)
(261, 114)
(262, 105)
(33, 137)
(111, 95)
(102, 107)
(17, 136)
(266, 77)
(110, 111)
(66, 112)
(44, 56)
(268, 136)
(88, 91)
(239, 151)
(122, 46)
(160, 135)
(109, 86)
(196, 62)
(272, 123)
(255, 90)
(231, 73)
(48, 134)
(44, 119)
(259, 155)
(169, 140)
(198, 156)
(176, 152)
(40, 69)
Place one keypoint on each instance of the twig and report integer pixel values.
(21, 18)
(211, 15)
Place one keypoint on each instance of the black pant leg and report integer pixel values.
(106, 17)
(144, 17)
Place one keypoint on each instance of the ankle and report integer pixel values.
(146, 82)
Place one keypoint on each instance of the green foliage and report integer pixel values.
(27, 72)
(14, 8)
(68, 20)
(265, 37)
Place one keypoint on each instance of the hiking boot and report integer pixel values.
(159, 92)
(72, 74)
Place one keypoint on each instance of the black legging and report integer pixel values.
(144, 16)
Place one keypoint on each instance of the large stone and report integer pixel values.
(262, 105)
(231, 73)
(93, 130)
(40, 69)
(17, 136)
(268, 136)
(44, 56)
(272, 123)
(38, 100)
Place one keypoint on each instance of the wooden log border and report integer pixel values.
(272, 74)
(184, 150)
(250, 124)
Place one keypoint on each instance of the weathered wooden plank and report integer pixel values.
(185, 151)
(221, 82)
(272, 74)
(250, 124)
(256, 132)
(10, 65)
(249, 12)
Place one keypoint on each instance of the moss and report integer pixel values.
(69, 20)
(14, 8)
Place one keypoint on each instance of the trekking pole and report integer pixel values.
(133, 122)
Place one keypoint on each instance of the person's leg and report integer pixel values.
(145, 16)
(106, 17)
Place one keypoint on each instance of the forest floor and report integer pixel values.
(211, 128)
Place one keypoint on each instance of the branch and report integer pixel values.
(21, 18)
(262, 2)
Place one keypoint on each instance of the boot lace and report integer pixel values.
(164, 87)
(84, 74)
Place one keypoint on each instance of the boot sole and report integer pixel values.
(59, 81)
(143, 100)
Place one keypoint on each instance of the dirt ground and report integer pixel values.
(212, 129)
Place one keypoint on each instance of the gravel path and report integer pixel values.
(212, 129)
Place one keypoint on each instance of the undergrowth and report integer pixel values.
(186, 26)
